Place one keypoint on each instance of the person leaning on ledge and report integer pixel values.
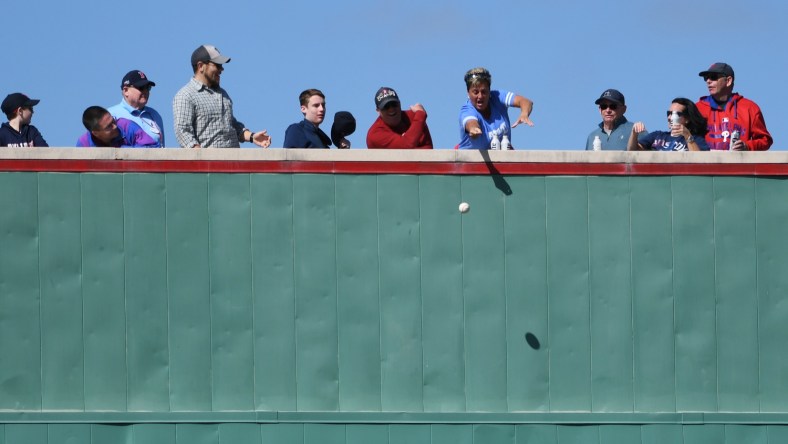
(203, 111)
(614, 129)
(107, 131)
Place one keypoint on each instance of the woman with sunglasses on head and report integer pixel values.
(687, 134)
(485, 114)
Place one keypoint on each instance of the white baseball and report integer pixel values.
(464, 207)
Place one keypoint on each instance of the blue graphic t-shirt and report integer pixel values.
(497, 124)
(663, 141)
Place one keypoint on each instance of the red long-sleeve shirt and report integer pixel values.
(412, 132)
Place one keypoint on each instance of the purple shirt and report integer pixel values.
(131, 136)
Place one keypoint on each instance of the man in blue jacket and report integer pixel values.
(307, 134)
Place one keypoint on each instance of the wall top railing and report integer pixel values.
(394, 161)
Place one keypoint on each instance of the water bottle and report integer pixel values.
(495, 144)
(505, 145)
(597, 144)
(735, 136)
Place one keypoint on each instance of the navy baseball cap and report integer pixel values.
(612, 95)
(137, 79)
(16, 100)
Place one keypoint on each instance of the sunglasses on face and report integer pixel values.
(713, 77)
(604, 106)
(680, 113)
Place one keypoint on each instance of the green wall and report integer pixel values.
(372, 293)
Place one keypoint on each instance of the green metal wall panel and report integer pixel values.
(230, 256)
(443, 310)
(26, 433)
(704, 434)
(662, 433)
(777, 434)
(568, 271)
(69, 434)
(111, 434)
(494, 433)
(314, 233)
(578, 435)
(527, 322)
(239, 433)
(622, 434)
(147, 329)
(409, 434)
(20, 294)
(197, 434)
(155, 433)
(365, 434)
(537, 434)
(274, 292)
(358, 298)
(455, 434)
(484, 292)
(324, 434)
(283, 433)
(736, 434)
(60, 271)
(694, 301)
(737, 302)
(610, 284)
(103, 292)
(188, 284)
(652, 294)
(772, 245)
(400, 294)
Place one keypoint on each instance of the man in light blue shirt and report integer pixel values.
(136, 87)
(614, 129)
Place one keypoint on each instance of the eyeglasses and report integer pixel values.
(612, 106)
(144, 88)
(713, 77)
(680, 113)
(112, 125)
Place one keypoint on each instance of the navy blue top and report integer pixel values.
(305, 134)
(28, 137)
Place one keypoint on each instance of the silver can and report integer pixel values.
(735, 136)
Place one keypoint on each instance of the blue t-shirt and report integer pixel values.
(663, 141)
(497, 124)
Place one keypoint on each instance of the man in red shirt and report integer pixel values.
(727, 112)
(395, 128)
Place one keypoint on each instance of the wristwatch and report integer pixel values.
(251, 136)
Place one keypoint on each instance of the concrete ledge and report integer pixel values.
(362, 155)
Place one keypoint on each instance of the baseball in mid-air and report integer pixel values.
(464, 207)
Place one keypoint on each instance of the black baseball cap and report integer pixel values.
(137, 79)
(718, 68)
(343, 126)
(384, 96)
(612, 95)
(16, 100)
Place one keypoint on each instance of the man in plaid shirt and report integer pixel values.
(203, 111)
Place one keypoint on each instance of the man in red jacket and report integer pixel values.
(395, 128)
(728, 112)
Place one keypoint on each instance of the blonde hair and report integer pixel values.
(478, 75)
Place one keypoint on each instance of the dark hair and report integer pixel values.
(696, 123)
(92, 116)
(307, 93)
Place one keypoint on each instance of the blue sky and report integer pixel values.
(560, 54)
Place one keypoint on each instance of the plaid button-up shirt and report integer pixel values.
(204, 116)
